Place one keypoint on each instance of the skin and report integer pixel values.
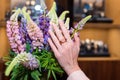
(65, 49)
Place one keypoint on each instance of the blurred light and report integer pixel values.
(33, 2)
(29, 11)
(27, 2)
(37, 7)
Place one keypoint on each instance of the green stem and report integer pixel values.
(75, 30)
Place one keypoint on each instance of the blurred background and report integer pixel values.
(99, 56)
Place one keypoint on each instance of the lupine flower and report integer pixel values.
(26, 38)
(14, 37)
(31, 62)
(23, 32)
(27, 59)
(80, 25)
(35, 34)
(44, 24)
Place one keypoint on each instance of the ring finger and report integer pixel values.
(55, 40)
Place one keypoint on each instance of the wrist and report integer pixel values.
(72, 69)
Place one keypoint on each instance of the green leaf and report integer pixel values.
(22, 78)
(36, 52)
(45, 64)
(7, 63)
(28, 47)
(38, 73)
(34, 75)
(54, 75)
(26, 77)
(48, 75)
(57, 69)
(12, 54)
(7, 58)
(39, 65)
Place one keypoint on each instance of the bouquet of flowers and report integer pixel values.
(30, 57)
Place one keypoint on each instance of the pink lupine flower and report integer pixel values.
(14, 37)
(35, 34)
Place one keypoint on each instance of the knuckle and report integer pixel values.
(61, 39)
(58, 56)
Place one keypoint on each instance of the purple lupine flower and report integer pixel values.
(14, 37)
(23, 32)
(30, 62)
(44, 25)
(35, 34)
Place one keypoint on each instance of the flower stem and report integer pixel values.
(75, 30)
(11, 66)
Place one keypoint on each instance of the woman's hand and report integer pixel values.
(65, 49)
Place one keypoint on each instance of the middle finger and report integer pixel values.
(58, 33)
